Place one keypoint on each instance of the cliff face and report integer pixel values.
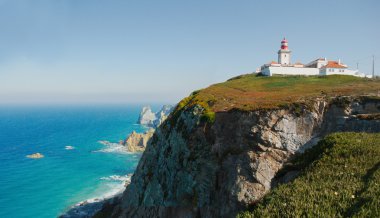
(197, 168)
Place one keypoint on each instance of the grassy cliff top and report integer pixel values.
(340, 177)
(250, 92)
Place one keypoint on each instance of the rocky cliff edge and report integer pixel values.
(209, 162)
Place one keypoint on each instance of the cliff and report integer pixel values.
(337, 178)
(221, 148)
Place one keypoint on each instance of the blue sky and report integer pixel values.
(120, 51)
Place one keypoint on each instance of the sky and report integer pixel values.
(140, 51)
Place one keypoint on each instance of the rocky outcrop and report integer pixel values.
(146, 116)
(137, 142)
(194, 168)
(150, 119)
(35, 156)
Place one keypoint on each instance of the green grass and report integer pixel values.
(340, 178)
(250, 92)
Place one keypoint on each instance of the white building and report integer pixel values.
(321, 66)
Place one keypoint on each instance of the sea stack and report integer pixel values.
(136, 142)
(151, 119)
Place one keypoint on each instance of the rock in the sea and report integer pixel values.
(148, 118)
(138, 141)
(35, 156)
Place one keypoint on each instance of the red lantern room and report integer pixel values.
(284, 44)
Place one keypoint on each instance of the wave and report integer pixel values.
(126, 178)
(69, 147)
(111, 147)
(115, 184)
(90, 207)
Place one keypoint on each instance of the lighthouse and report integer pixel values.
(284, 53)
(320, 66)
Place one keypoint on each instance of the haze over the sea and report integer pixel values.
(92, 51)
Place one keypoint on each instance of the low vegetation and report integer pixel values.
(250, 92)
(340, 177)
(375, 116)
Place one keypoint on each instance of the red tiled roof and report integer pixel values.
(333, 64)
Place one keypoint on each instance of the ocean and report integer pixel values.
(79, 164)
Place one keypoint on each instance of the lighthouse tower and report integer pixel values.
(284, 53)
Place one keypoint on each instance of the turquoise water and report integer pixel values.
(47, 187)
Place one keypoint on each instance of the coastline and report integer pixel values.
(133, 143)
(90, 207)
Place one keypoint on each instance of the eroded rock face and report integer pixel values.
(137, 142)
(192, 168)
(151, 119)
(147, 117)
(162, 115)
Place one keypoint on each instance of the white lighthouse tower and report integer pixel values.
(284, 53)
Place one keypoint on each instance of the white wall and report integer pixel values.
(338, 71)
(269, 71)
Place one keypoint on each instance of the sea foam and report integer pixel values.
(111, 147)
(89, 207)
(69, 147)
(126, 178)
